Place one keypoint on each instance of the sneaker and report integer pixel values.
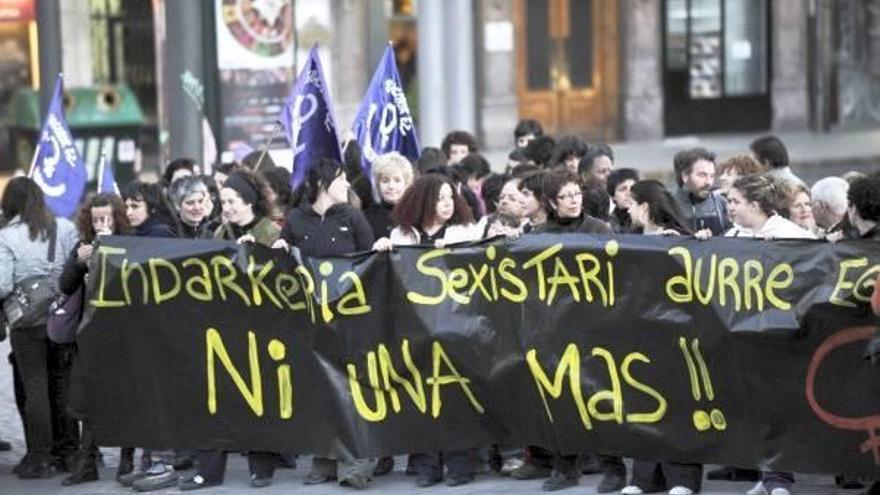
(86, 470)
(780, 491)
(558, 481)
(357, 481)
(159, 481)
(509, 465)
(384, 466)
(260, 481)
(424, 480)
(36, 470)
(680, 490)
(195, 482)
(758, 489)
(530, 471)
(612, 481)
(733, 474)
(461, 479)
(129, 479)
(631, 490)
(318, 478)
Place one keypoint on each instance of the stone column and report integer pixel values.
(431, 73)
(49, 41)
(496, 71)
(459, 75)
(352, 68)
(789, 90)
(183, 79)
(642, 69)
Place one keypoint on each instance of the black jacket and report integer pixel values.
(341, 230)
(153, 227)
(585, 224)
(73, 274)
(379, 218)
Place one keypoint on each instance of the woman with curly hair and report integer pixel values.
(100, 214)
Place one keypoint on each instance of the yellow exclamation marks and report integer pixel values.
(703, 421)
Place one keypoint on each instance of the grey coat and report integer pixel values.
(20, 257)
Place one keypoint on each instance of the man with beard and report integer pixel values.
(695, 174)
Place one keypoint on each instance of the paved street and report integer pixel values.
(290, 481)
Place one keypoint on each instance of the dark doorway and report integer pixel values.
(716, 56)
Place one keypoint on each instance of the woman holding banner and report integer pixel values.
(100, 214)
(246, 208)
(655, 212)
(432, 213)
(324, 224)
(34, 244)
(752, 203)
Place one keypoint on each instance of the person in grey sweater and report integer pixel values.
(26, 227)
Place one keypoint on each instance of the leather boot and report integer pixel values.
(85, 470)
(126, 462)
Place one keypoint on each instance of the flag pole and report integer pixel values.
(103, 164)
(275, 128)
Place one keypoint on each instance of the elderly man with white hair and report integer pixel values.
(829, 205)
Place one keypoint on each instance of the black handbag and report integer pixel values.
(28, 304)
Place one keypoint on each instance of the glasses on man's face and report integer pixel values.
(570, 195)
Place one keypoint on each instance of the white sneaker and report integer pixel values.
(780, 491)
(631, 490)
(757, 489)
(680, 490)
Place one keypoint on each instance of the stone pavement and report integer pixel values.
(290, 481)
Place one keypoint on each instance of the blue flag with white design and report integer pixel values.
(307, 118)
(57, 166)
(106, 181)
(383, 122)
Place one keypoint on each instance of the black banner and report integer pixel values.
(739, 352)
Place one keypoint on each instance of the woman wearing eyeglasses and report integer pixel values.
(563, 200)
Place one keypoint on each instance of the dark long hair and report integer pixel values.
(23, 198)
(154, 196)
(318, 179)
(84, 215)
(419, 203)
(662, 207)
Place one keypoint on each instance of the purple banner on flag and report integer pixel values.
(58, 167)
(307, 118)
(383, 122)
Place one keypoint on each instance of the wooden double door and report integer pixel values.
(567, 65)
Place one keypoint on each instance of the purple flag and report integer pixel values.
(307, 118)
(383, 122)
(57, 166)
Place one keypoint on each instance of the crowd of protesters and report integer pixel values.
(449, 195)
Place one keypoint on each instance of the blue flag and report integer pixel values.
(106, 181)
(307, 118)
(383, 122)
(58, 167)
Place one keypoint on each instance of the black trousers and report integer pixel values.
(459, 463)
(44, 368)
(212, 464)
(654, 476)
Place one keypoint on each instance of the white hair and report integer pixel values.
(832, 192)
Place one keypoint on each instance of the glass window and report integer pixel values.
(676, 35)
(579, 45)
(538, 46)
(705, 49)
(745, 47)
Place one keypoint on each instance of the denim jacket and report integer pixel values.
(21, 257)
